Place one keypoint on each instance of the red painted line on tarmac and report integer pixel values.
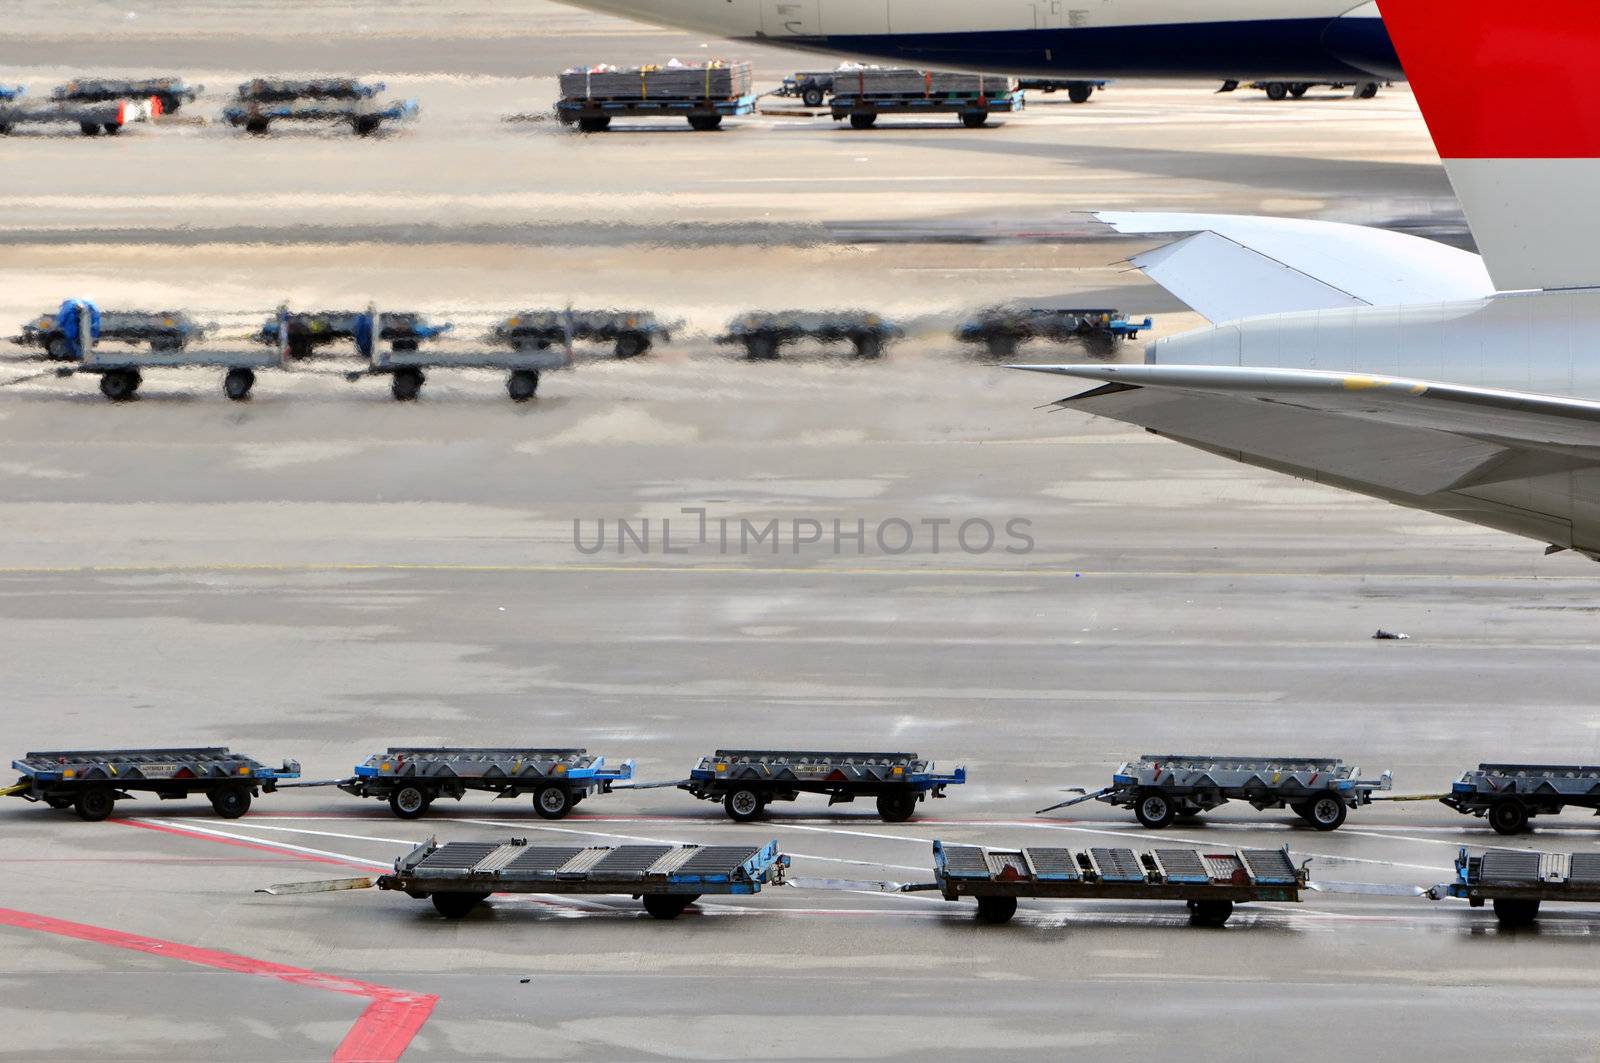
(381, 1034)
(243, 845)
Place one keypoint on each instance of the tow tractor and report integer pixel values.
(411, 778)
(1516, 881)
(92, 780)
(1160, 787)
(631, 332)
(163, 330)
(1509, 795)
(762, 332)
(861, 94)
(262, 101)
(747, 780)
(91, 117)
(170, 92)
(1001, 328)
(406, 366)
(311, 329)
(1209, 881)
(458, 876)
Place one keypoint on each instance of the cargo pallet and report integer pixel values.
(1509, 795)
(90, 781)
(260, 102)
(1001, 329)
(170, 92)
(91, 118)
(1209, 881)
(1516, 881)
(862, 105)
(311, 329)
(632, 332)
(458, 876)
(747, 780)
(762, 333)
(163, 330)
(1161, 787)
(411, 778)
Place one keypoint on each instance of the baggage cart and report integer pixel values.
(1516, 881)
(163, 330)
(90, 781)
(761, 333)
(1509, 795)
(702, 93)
(261, 101)
(170, 93)
(631, 332)
(411, 778)
(861, 94)
(91, 117)
(1002, 328)
(747, 780)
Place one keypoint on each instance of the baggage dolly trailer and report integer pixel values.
(411, 778)
(1209, 881)
(90, 781)
(262, 101)
(861, 94)
(631, 332)
(163, 330)
(704, 94)
(1509, 795)
(1516, 881)
(763, 332)
(170, 92)
(458, 876)
(747, 780)
(1160, 787)
(90, 117)
(406, 367)
(311, 329)
(1001, 328)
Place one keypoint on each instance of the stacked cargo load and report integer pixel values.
(704, 93)
(861, 93)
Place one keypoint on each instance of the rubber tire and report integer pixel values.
(522, 384)
(1159, 815)
(1508, 816)
(975, 121)
(631, 345)
(1302, 809)
(1276, 90)
(1079, 92)
(744, 811)
(406, 384)
(94, 803)
(897, 807)
(594, 124)
(1001, 346)
(366, 125)
(409, 802)
(995, 911)
(869, 346)
(1367, 90)
(120, 385)
(863, 121)
(761, 348)
(1515, 911)
(230, 802)
(58, 349)
(1210, 913)
(1320, 816)
(257, 126)
(705, 123)
(1298, 89)
(90, 129)
(457, 905)
(560, 802)
(666, 905)
(237, 384)
(811, 97)
(111, 128)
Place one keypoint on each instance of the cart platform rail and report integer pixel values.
(411, 778)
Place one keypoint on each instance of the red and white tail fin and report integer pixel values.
(1511, 94)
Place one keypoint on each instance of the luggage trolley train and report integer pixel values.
(412, 778)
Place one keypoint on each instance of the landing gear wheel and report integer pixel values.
(230, 802)
(743, 806)
(1153, 810)
(409, 802)
(237, 384)
(705, 123)
(522, 384)
(94, 804)
(457, 905)
(996, 910)
(406, 384)
(594, 124)
(667, 905)
(1327, 813)
(552, 802)
(1276, 90)
(1079, 92)
(1298, 89)
(118, 385)
(1515, 911)
(1509, 816)
(862, 121)
(1210, 913)
(896, 808)
(975, 120)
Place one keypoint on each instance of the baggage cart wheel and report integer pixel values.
(996, 910)
(812, 96)
(1210, 913)
(869, 346)
(257, 126)
(406, 384)
(1515, 911)
(1509, 816)
(1189, 811)
(862, 121)
(667, 905)
(94, 803)
(90, 129)
(705, 123)
(1327, 813)
(405, 345)
(367, 124)
(112, 128)
(58, 349)
(58, 803)
(631, 345)
(975, 119)
(1001, 345)
(1154, 810)
(230, 802)
(300, 347)
(1079, 92)
(761, 347)
(118, 385)
(594, 124)
(457, 905)
(1276, 90)
(522, 384)
(1298, 89)
(409, 802)
(5, 129)
(743, 806)
(896, 808)
(552, 802)
(237, 384)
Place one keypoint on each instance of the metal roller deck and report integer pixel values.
(457, 876)
(1515, 881)
(1001, 328)
(747, 780)
(1509, 795)
(1160, 787)
(1210, 881)
(411, 778)
(92, 780)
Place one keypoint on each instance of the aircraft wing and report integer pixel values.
(1386, 435)
(1232, 266)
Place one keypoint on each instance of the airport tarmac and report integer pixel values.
(321, 572)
